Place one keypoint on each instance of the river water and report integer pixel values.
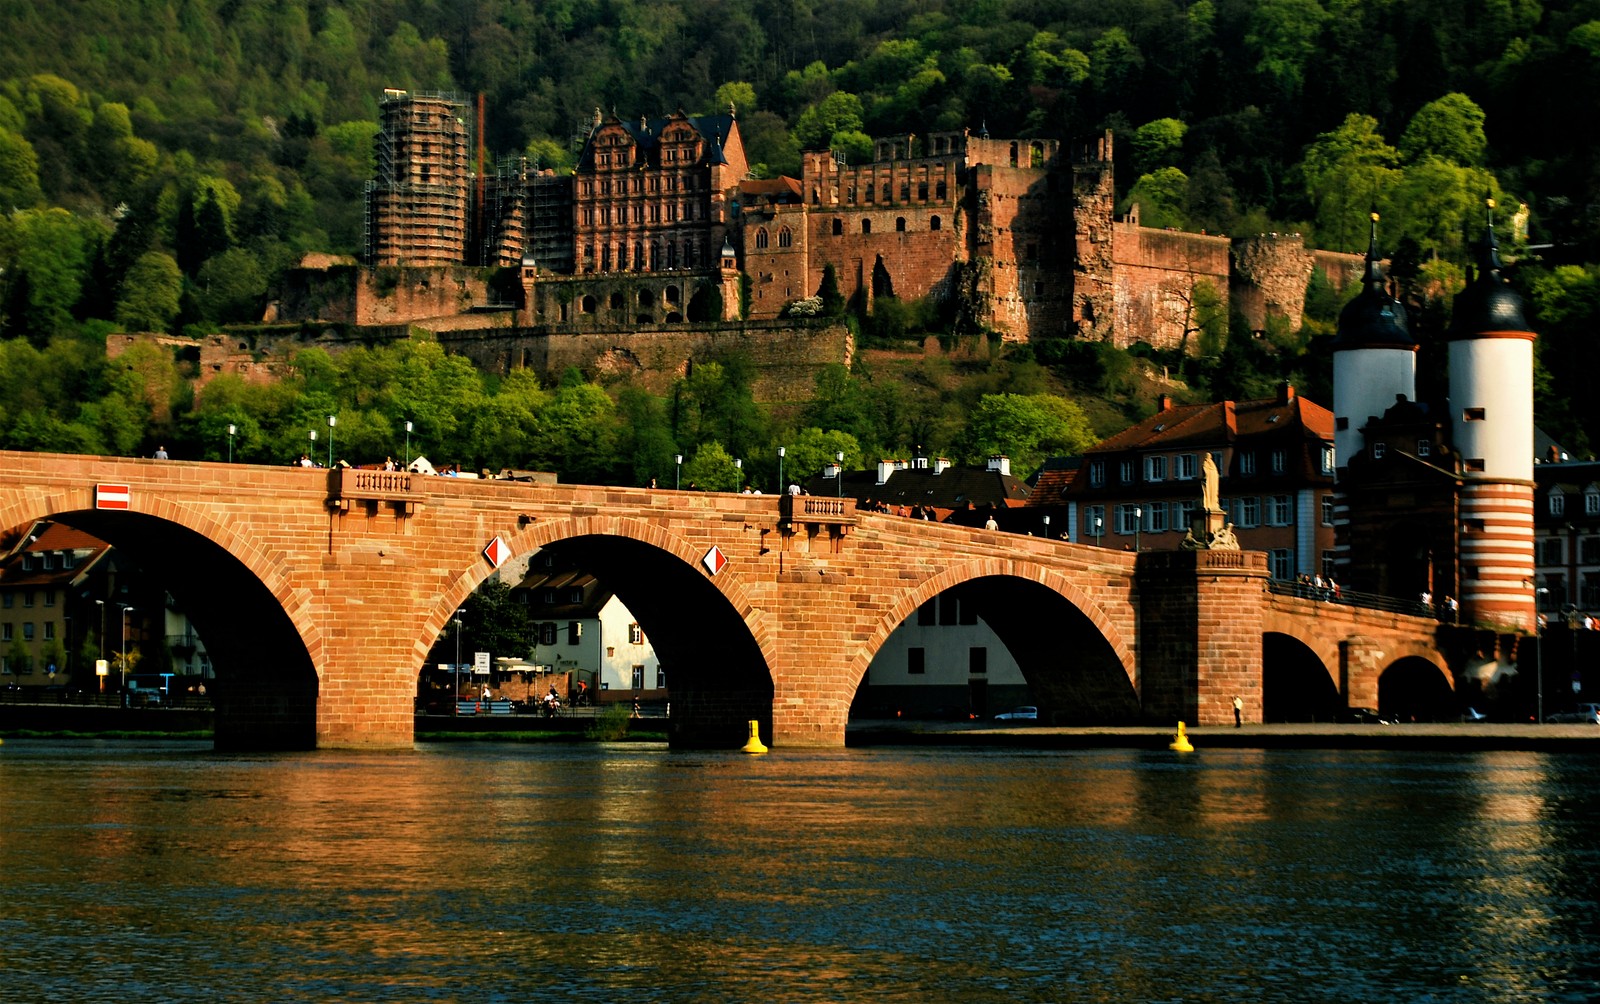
(162, 871)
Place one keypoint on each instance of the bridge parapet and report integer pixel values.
(817, 509)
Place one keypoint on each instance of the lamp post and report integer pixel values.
(1047, 526)
(332, 421)
(738, 465)
(101, 644)
(231, 430)
(455, 699)
(126, 610)
(1538, 672)
(781, 486)
(1097, 528)
(408, 446)
(1138, 524)
(312, 453)
(677, 476)
(840, 478)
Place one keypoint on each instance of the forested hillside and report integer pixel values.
(161, 162)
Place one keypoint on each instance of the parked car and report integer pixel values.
(1026, 713)
(1584, 714)
(1364, 716)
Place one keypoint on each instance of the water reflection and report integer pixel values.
(145, 872)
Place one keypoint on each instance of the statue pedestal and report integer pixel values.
(1210, 530)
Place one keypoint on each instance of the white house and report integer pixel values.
(580, 627)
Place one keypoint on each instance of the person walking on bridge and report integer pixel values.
(1238, 711)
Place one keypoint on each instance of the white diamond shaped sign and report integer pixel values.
(714, 560)
(497, 552)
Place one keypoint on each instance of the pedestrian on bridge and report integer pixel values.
(1238, 711)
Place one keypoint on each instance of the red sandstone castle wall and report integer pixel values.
(1155, 275)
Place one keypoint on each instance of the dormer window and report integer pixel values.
(1378, 450)
(1247, 463)
(1280, 461)
(1591, 502)
(1327, 460)
(1558, 503)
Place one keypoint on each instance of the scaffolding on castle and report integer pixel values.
(417, 206)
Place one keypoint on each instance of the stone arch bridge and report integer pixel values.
(319, 594)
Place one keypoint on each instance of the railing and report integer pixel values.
(816, 509)
(1350, 597)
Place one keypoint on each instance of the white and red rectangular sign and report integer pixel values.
(111, 496)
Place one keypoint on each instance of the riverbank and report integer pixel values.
(1450, 736)
(42, 720)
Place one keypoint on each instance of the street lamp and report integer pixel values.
(408, 446)
(455, 702)
(840, 457)
(126, 610)
(332, 421)
(101, 643)
(677, 477)
(1097, 529)
(231, 430)
(312, 453)
(1047, 526)
(1538, 629)
(781, 486)
(1138, 524)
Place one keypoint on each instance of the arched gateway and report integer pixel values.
(320, 593)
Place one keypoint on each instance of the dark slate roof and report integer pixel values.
(1050, 483)
(1488, 303)
(1374, 319)
(952, 489)
(715, 129)
(562, 578)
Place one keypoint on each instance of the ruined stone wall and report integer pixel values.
(1017, 218)
(786, 355)
(1271, 273)
(1155, 272)
(348, 294)
(778, 273)
(1093, 286)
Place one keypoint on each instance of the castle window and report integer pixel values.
(761, 237)
(900, 224)
(1012, 159)
(785, 237)
(1036, 155)
(871, 193)
(1472, 415)
(838, 226)
(589, 305)
(940, 190)
(905, 191)
(866, 226)
(922, 191)
(935, 223)
(646, 299)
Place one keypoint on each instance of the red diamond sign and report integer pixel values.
(714, 560)
(497, 552)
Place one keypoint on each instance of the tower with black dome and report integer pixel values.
(1491, 426)
(1374, 365)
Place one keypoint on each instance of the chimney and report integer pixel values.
(1166, 402)
(1000, 464)
(1285, 392)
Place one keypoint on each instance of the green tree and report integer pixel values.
(1161, 197)
(812, 449)
(149, 300)
(19, 172)
(493, 621)
(1157, 144)
(1348, 172)
(1450, 129)
(1028, 429)
(577, 433)
(839, 112)
(711, 469)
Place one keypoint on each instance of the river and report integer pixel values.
(138, 871)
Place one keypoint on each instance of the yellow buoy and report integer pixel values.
(1181, 742)
(754, 745)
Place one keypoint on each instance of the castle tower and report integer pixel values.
(1374, 358)
(417, 205)
(1491, 423)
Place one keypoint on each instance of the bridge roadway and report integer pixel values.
(319, 594)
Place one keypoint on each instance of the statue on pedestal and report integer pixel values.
(1209, 530)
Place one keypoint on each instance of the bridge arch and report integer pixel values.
(264, 645)
(714, 643)
(1297, 683)
(1008, 595)
(1415, 688)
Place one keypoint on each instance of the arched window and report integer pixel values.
(935, 223)
(866, 226)
(1013, 155)
(589, 305)
(785, 237)
(647, 299)
(900, 224)
(671, 294)
(1036, 155)
(761, 237)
